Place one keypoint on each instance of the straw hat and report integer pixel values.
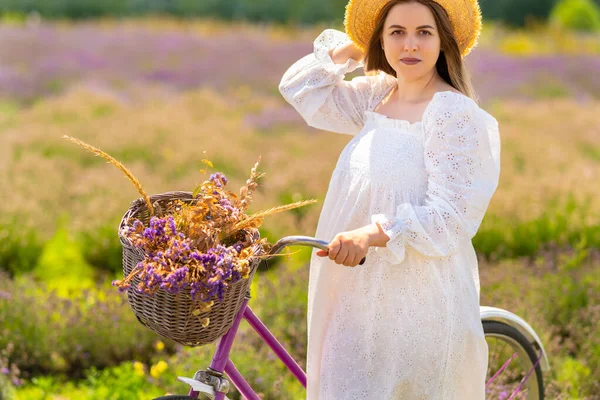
(465, 16)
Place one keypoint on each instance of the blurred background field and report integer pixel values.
(158, 83)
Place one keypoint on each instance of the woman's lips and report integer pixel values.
(410, 61)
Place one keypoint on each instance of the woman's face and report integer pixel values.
(411, 40)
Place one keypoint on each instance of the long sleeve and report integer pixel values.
(462, 160)
(315, 87)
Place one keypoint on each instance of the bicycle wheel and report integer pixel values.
(513, 368)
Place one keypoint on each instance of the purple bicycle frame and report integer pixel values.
(222, 363)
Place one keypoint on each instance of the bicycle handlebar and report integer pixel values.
(302, 241)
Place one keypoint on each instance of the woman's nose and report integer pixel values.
(410, 44)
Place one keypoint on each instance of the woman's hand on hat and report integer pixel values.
(348, 248)
(341, 54)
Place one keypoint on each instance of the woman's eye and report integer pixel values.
(423, 32)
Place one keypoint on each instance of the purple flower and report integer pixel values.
(5, 371)
(172, 225)
(174, 282)
(219, 179)
(170, 258)
(149, 233)
(238, 247)
(150, 280)
(68, 56)
(226, 204)
(137, 225)
(196, 289)
(194, 255)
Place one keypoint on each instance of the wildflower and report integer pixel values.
(138, 368)
(157, 369)
(174, 282)
(219, 179)
(159, 346)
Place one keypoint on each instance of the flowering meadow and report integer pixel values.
(161, 95)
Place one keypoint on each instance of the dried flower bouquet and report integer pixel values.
(202, 244)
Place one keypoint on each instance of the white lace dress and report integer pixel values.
(405, 325)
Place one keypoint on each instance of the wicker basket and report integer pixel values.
(171, 315)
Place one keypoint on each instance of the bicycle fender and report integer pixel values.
(510, 319)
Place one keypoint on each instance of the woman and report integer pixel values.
(409, 192)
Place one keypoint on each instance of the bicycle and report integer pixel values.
(525, 381)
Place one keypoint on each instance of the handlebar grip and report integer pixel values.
(303, 241)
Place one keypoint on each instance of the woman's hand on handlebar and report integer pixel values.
(349, 248)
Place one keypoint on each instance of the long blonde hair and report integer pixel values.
(449, 65)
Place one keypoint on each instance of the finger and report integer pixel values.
(357, 258)
(321, 253)
(343, 254)
(334, 249)
(355, 261)
(349, 258)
